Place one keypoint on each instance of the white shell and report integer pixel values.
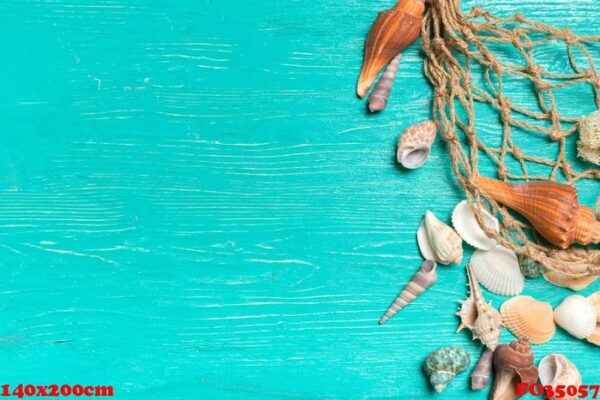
(466, 225)
(556, 369)
(414, 144)
(575, 284)
(498, 270)
(576, 315)
(438, 242)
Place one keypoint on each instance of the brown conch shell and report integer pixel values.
(513, 364)
(425, 277)
(481, 318)
(393, 31)
(551, 208)
(480, 377)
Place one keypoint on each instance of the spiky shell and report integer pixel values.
(498, 270)
(528, 319)
(441, 366)
(555, 370)
(529, 267)
(575, 284)
(437, 241)
(576, 315)
(414, 144)
(468, 228)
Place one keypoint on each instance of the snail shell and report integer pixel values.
(555, 370)
(444, 364)
(439, 242)
(414, 144)
(381, 93)
(480, 377)
(513, 364)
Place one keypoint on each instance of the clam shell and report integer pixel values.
(437, 241)
(466, 225)
(576, 284)
(528, 319)
(498, 270)
(595, 299)
(414, 144)
(555, 370)
(576, 315)
(595, 336)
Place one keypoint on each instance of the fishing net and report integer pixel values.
(465, 65)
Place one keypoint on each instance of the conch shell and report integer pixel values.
(481, 318)
(425, 277)
(444, 364)
(381, 93)
(414, 144)
(439, 242)
(577, 315)
(551, 208)
(513, 364)
(589, 138)
(480, 377)
(393, 31)
(556, 370)
(528, 319)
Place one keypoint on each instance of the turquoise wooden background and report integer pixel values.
(194, 204)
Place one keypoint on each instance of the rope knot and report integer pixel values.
(569, 37)
(478, 12)
(535, 70)
(520, 18)
(543, 85)
(502, 173)
(517, 152)
(438, 43)
(556, 135)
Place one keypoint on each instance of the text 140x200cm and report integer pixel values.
(29, 390)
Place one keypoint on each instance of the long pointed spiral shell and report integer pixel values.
(480, 377)
(424, 278)
(551, 208)
(381, 93)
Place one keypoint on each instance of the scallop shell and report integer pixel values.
(528, 319)
(444, 364)
(576, 315)
(498, 270)
(594, 338)
(414, 144)
(595, 299)
(555, 370)
(466, 225)
(576, 284)
(437, 241)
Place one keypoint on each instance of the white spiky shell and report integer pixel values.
(498, 270)
(439, 242)
(556, 370)
(468, 228)
(576, 315)
(528, 319)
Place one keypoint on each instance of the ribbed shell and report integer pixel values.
(528, 319)
(555, 370)
(577, 315)
(393, 31)
(466, 225)
(437, 241)
(595, 299)
(498, 270)
(379, 97)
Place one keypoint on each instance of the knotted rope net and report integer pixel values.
(459, 50)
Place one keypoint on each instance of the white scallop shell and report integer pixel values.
(556, 370)
(438, 242)
(498, 270)
(576, 315)
(466, 225)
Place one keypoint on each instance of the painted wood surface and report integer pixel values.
(194, 204)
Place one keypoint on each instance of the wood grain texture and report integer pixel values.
(194, 204)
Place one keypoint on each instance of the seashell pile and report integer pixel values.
(528, 319)
(437, 241)
(556, 370)
(414, 144)
(444, 364)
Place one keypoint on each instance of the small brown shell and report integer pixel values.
(513, 364)
(528, 319)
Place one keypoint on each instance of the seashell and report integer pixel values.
(414, 144)
(483, 320)
(528, 319)
(530, 268)
(594, 338)
(437, 241)
(588, 145)
(576, 315)
(576, 284)
(480, 377)
(595, 299)
(498, 270)
(468, 228)
(381, 93)
(555, 370)
(444, 364)
(551, 208)
(393, 31)
(513, 364)
(425, 277)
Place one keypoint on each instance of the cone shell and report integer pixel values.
(437, 241)
(393, 31)
(576, 315)
(444, 364)
(414, 144)
(513, 364)
(480, 377)
(576, 284)
(466, 225)
(556, 370)
(424, 278)
(498, 270)
(551, 208)
(528, 319)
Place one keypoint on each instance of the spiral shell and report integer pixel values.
(528, 319)
(576, 315)
(444, 364)
(437, 241)
(414, 144)
(480, 377)
(381, 93)
(513, 364)
(468, 228)
(555, 370)
(498, 270)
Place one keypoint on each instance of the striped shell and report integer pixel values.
(498, 270)
(528, 319)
